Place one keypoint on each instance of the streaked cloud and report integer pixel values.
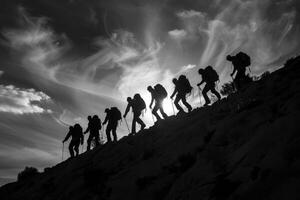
(21, 101)
(178, 34)
(189, 14)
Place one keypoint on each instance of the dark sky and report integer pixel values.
(61, 60)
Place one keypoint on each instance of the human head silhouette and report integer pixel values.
(129, 99)
(106, 110)
(137, 96)
(200, 71)
(76, 126)
(89, 117)
(150, 88)
(174, 80)
(229, 57)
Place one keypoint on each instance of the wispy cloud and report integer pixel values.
(21, 101)
(178, 34)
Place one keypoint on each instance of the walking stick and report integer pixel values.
(62, 153)
(127, 125)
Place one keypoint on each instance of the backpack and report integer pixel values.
(116, 113)
(184, 85)
(139, 103)
(244, 59)
(160, 91)
(96, 123)
(211, 74)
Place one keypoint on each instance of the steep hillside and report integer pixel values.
(246, 146)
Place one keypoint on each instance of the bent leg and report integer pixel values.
(114, 132)
(97, 139)
(189, 107)
(176, 102)
(71, 149)
(108, 133)
(133, 124)
(138, 120)
(76, 148)
(154, 111)
(89, 142)
(161, 109)
(204, 93)
(214, 91)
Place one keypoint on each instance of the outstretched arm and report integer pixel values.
(200, 83)
(174, 92)
(127, 110)
(234, 70)
(105, 120)
(87, 129)
(67, 136)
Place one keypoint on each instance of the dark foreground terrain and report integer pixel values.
(245, 147)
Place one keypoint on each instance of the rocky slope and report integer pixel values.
(245, 147)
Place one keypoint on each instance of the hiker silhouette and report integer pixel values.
(210, 77)
(113, 115)
(240, 62)
(77, 139)
(182, 88)
(137, 105)
(94, 125)
(158, 94)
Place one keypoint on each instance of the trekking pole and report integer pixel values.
(62, 153)
(127, 125)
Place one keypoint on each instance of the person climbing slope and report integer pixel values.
(210, 77)
(113, 115)
(240, 62)
(137, 105)
(182, 88)
(94, 126)
(77, 139)
(158, 94)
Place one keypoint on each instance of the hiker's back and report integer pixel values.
(115, 114)
(210, 75)
(160, 91)
(77, 132)
(95, 124)
(183, 85)
(241, 61)
(138, 103)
